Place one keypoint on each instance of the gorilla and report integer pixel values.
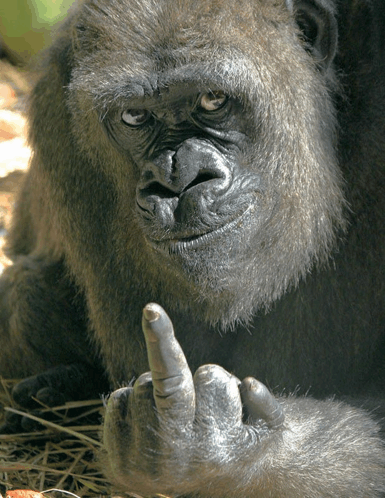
(225, 159)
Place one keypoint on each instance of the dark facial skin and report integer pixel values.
(187, 157)
(225, 160)
(195, 187)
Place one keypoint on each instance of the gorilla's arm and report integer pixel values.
(42, 322)
(208, 435)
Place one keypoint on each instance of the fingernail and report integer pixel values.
(150, 315)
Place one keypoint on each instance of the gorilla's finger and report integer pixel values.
(24, 392)
(50, 397)
(36, 388)
(118, 403)
(71, 381)
(115, 427)
(259, 403)
(217, 396)
(171, 376)
(143, 387)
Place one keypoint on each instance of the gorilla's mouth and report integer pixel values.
(177, 245)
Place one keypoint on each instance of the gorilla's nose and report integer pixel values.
(183, 182)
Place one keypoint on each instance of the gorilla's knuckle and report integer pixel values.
(211, 374)
(144, 381)
(143, 387)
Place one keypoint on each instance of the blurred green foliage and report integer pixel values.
(25, 25)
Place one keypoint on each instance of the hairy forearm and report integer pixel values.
(325, 448)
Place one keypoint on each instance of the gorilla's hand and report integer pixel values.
(173, 432)
(212, 436)
(53, 387)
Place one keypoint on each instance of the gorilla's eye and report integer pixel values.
(135, 117)
(213, 100)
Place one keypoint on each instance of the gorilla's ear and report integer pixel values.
(317, 22)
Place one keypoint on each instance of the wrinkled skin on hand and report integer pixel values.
(156, 431)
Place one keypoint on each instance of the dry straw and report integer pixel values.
(61, 455)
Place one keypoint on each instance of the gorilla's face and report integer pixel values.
(197, 197)
(190, 175)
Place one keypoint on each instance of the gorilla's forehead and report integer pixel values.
(181, 20)
(131, 49)
(153, 35)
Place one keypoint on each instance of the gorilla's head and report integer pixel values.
(214, 124)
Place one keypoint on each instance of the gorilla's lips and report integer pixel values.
(175, 245)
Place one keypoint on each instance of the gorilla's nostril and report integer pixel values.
(157, 189)
(201, 178)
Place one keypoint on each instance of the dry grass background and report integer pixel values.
(61, 454)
